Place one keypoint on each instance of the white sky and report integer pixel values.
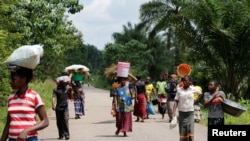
(99, 19)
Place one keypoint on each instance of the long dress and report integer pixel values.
(79, 102)
(124, 110)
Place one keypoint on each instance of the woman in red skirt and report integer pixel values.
(140, 100)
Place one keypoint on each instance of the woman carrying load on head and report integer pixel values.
(23, 106)
(79, 99)
(123, 105)
(77, 78)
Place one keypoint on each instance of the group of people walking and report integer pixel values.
(174, 97)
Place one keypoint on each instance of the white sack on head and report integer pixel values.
(63, 79)
(27, 56)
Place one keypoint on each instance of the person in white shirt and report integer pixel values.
(185, 102)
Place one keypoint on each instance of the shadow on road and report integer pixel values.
(105, 122)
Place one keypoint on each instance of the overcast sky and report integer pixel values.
(99, 19)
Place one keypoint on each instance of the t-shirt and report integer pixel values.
(186, 98)
(61, 94)
(160, 86)
(22, 111)
(149, 90)
(215, 109)
(78, 77)
(140, 87)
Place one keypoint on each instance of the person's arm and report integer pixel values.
(207, 101)
(157, 88)
(5, 133)
(154, 92)
(176, 99)
(134, 79)
(115, 102)
(176, 102)
(53, 100)
(44, 122)
(135, 88)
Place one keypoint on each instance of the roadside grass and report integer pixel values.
(243, 119)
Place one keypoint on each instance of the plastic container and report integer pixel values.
(123, 69)
(183, 69)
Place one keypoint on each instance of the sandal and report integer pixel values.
(125, 134)
(117, 132)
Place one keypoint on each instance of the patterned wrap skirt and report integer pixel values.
(79, 106)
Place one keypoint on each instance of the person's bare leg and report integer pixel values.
(137, 119)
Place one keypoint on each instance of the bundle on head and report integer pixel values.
(111, 71)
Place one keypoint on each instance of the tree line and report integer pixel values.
(211, 36)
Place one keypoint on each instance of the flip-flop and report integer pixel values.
(117, 132)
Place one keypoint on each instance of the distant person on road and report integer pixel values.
(161, 94)
(79, 99)
(150, 92)
(24, 105)
(60, 97)
(171, 90)
(185, 101)
(124, 107)
(213, 100)
(140, 100)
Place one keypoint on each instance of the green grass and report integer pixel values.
(243, 119)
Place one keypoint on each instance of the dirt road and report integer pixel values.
(99, 125)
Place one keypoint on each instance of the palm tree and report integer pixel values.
(221, 37)
(164, 17)
(216, 32)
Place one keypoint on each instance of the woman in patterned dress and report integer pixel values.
(124, 107)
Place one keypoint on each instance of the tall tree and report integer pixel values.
(216, 32)
(164, 16)
(44, 22)
(221, 38)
